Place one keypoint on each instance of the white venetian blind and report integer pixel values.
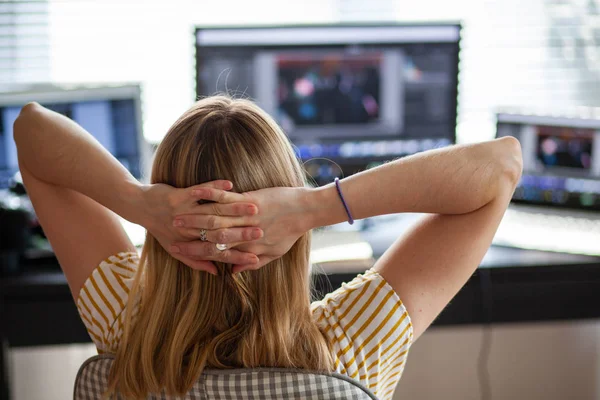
(24, 41)
(541, 54)
(536, 54)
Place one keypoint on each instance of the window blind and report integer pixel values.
(531, 55)
(24, 41)
(536, 55)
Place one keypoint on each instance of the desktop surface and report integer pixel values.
(342, 249)
(381, 232)
(355, 250)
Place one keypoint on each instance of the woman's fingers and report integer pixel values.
(197, 191)
(183, 200)
(211, 222)
(213, 194)
(231, 209)
(218, 184)
(232, 236)
(208, 252)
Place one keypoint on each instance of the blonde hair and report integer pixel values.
(189, 320)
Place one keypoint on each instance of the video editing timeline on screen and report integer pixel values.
(355, 103)
(561, 161)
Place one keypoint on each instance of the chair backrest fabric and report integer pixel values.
(239, 384)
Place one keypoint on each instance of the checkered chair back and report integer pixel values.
(238, 384)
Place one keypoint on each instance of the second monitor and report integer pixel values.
(561, 164)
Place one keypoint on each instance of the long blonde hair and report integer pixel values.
(189, 320)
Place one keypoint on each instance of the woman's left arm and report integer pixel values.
(74, 184)
(59, 152)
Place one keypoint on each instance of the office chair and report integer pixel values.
(243, 384)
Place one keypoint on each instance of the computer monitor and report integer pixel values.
(356, 95)
(111, 114)
(561, 159)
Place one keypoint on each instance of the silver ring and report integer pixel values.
(203, 235)
(221, 246)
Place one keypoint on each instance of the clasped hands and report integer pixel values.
(257, 227)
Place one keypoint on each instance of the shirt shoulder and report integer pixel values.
(369, 329)
(104, 297)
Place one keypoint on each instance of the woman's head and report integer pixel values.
(190, 319)
(224, 138)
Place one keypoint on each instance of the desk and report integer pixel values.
(526, 285)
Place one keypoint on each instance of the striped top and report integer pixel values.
(365, 321)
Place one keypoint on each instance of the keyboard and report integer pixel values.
(538, 228)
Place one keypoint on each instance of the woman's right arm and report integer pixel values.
(452, 180)
(466, 189)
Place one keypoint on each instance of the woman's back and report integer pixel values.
(366, 323)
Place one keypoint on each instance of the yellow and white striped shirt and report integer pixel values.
(365, 321)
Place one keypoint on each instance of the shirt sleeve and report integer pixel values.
(104, 297)
(370, 331)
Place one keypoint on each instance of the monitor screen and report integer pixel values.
(348, 97)
(111, 115)
(561, 159)
(328, 89)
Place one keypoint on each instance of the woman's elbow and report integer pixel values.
(512, 159)
(504, 165)
(24, 120)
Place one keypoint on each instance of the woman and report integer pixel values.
(248, 305)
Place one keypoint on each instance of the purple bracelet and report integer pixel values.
(339, 190)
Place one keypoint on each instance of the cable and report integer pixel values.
(483, 373)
